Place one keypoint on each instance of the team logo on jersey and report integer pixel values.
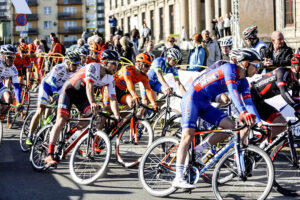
(263, 82)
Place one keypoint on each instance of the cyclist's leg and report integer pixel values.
(6, 97)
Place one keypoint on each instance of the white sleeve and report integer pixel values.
(111, 87)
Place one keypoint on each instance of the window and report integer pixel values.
(161, 24)
(47, 10)
(68, 24)
(29, 24)
(128, 24)
(143, 18)
(70, 10)
(289, 12)
(171, 22)
(122, 24)
(47, 24)
(70, 38)
(152, 21)
(116, 3)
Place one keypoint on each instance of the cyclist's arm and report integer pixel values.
(130, 86)
(112, 96)
(16, 85)
(180, 86)
(149, 92)
(161, 79)
(90, 92)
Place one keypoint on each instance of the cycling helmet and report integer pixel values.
(296, 62)
(144, 58)
(74, 57)
(95, 47)
(226, 42)
(83, 51)
(32, 47)
(23, 47)
(174, 53)
(244, 54)
(250, 32)
(8, 49)
(110, 55)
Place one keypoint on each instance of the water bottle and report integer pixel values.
(208, 156)
(74, 136)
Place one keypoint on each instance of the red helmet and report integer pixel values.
(144, 58)
(32, 47)
(23, 47)
(95, 47)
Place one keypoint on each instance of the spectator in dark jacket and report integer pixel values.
(127, 49)
(198, 55)
(113, 24)
(117, 45)
(277, 53)
(170, 44)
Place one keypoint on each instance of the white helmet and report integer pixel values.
(226, 42)
(174, 53)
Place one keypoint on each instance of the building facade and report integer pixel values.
(5, 21)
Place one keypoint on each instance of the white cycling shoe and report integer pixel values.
(181, 183)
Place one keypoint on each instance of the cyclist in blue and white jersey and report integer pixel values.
(51, 86)
(250, 35)
(7, 71)
(230, 77)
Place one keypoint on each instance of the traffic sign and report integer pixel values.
(21, 19)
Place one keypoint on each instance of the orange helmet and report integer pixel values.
(32, 47)
(23, 47)
(95, 47)
(144, 58)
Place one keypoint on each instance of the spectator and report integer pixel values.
(277, 53)
(117, 45)
(80, 43)
(113, 24)
(251, 39)
(119, 31)
(221, 27)
(183, 35)
(52, 35)
(22, 41)
(127, 49)
(85, 35)
(110, 42)
(149, 49)
(215, 27)
(135, 34)
(198, 55)
(145, 34)
(169, 44)
(213, 48)
(44, 46)
(298, 52)
(226, 46)
(227, 25)
(56, 50)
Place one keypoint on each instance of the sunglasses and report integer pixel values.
(10, 57)
(113, 62)
(147, 66)
(256, 65)
(172, 41)
(175, 60)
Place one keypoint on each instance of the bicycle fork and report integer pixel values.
(239, 158)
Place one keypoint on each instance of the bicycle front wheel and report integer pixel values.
(287, 172)
(159, 122)
(25, 131)
(259, 175)
(173, 127)
(130, 146)
(89, 161)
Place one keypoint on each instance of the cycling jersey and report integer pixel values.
(6, 73)
(33, 59)
(22, 62)
(259, 46)
(89, 60)
(196, 102)
(53, 82)
(271, 84)
(127, 77)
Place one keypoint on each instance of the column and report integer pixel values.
(217, 8)
(184, 15)
(196, 17)
(208, 15)
(224, 8)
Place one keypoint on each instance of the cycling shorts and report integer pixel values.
(3, 90)
(122, 95)
(45, 93)
(69, 96)
(194, 105)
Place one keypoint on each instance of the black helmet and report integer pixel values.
(110, 55)
(74, 57)
(8, 48)
(244, 54)
(83, 51)
(250, 32)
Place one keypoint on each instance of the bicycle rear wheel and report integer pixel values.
(287, 174)
(159, 122)
(259, 179)
(40, 147)
(173, 127)
(90, 161)
(25, 131)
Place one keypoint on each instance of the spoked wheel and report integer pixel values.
(131, 145)
(25, 102)
(173, 127)
(258, 182)
(287, 173)
(157, 167)
(40, 147)
(89, 160)
(25, 131)
(159, 122)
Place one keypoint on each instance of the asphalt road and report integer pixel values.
(18, 181)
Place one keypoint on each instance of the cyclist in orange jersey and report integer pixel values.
(33, 60)
(22, 62)
(95, 50)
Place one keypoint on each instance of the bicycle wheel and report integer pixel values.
(39, 149)
(257, 184)
(157, 167)
(129, 150)
(287, 175)
(1, 131)
(173, 127)
(11, 118)
(26, 103)
(25, 131)
(159, 122)
(85, 168)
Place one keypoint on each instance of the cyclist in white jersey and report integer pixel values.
(51, 86)
(250, 35)
(7, 71)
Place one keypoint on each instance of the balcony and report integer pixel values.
(69, 2)
(5, 19)
(32, 17)
(32, 3)
(67, 44)
(65, 15)
(33, 31)
(68, 30)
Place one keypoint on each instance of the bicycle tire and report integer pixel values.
(286, 175)
(155, 178)
(159, 121)
(26, 103)
(24, 132)
(129, 152)
(39, 149)
(173, 127)
(1, 131)
(82, 169)
(254, 157)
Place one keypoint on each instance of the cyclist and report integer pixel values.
(129, 75)
(250, 35)
(7, 71)
(79, 90)
(33, 59)
(226, 46)
(51, 86)
(273, 83)
(195, 103)
(84, 53)
(94, 54)
(23, 63)
(161, 67)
